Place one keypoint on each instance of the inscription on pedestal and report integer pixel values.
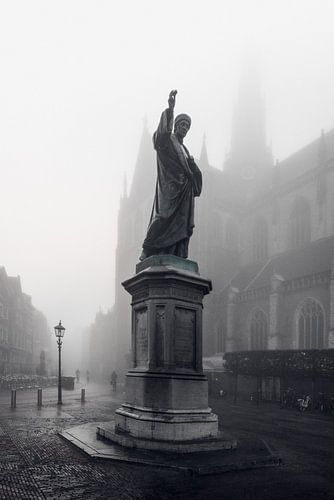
(141, 336)
(185, 337)
(160, 332)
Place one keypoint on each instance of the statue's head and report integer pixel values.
(182, 124)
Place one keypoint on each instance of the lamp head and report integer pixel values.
(59, 330)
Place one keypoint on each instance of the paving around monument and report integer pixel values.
(36, 463)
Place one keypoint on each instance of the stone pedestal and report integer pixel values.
(166, 391)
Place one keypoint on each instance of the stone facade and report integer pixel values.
(291, 285)
(24, 331)
(100, 356)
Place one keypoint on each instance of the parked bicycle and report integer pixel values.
(304, 403)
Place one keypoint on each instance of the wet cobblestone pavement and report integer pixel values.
(36, 463)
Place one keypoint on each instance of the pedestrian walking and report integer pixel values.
(87, 376)
(77, 374)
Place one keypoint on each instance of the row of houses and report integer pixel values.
(24, 331)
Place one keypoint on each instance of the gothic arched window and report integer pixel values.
(259, 331)
(311, 325)
(300, 223)
(260, 240)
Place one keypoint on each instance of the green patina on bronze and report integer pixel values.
(168, 260)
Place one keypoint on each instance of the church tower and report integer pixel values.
(250, 158)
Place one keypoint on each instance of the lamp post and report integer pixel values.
(59, 332)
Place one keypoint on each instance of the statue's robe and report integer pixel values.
(179, 180)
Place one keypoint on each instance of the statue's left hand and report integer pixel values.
(171, 99)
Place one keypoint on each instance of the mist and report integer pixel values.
(78, 79)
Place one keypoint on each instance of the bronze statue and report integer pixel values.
(179, 180)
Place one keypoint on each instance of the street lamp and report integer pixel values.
(59, 332)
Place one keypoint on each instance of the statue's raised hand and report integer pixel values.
(171, 99)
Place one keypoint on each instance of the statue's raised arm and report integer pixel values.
(179, 180)
(165, 128)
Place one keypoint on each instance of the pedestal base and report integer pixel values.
(166, 406)
(107, 430)
(250, 453)
(165, 425)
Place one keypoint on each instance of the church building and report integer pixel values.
(264, 235)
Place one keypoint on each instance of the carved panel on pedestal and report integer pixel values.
(141, 337)
(160, 333)
(185, 337)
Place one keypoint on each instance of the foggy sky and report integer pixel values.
(78, 78)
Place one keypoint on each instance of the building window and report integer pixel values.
(259, 331)
(311, 325)
(300, 224)
(260, 240)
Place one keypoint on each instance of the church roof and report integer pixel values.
(246, 274)
(307, 158)
(313, 258)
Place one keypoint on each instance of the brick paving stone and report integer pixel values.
(19, 484)
(35, 463)
(83, 481)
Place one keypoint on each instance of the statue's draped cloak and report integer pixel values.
(179, 180)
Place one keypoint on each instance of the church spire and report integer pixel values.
(248, 141)
(203, 159)
(145, 168)
(125, 186)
